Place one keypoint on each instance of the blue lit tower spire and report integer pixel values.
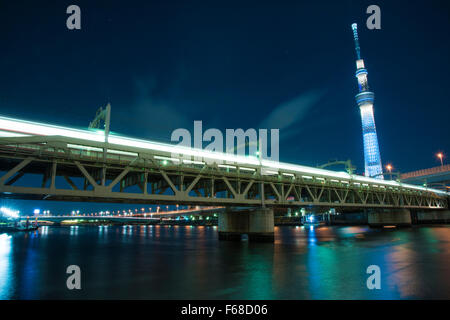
(365, 99)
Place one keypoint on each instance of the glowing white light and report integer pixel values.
(87, 148)
(288, 174)
(28, 127)
(193, 162)
(226, 166)
(371, 149)
(11, 134)
(125, 153)
(9, 213)
(166, 158)
(360, 64)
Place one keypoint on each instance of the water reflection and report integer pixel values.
(6, 267)
(157, 262)
(43, 231)
(74, 230)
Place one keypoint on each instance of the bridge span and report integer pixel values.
(111, 218)
(149, 217)
(47, 162)
(436, 177)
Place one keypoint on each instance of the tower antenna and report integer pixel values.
(355, 36)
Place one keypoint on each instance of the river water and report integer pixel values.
(184, 262)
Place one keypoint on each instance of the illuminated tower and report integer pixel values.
(364, 99)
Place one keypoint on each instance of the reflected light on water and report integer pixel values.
(73, 230)
(43, 231)
(151, 262)
(6, 274)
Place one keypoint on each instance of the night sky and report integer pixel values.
(236, 64)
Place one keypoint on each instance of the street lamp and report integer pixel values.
(389, 169)
(440, 155)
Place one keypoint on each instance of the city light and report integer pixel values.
(440, 155)
(9, 213)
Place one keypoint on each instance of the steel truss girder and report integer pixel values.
(190, 185)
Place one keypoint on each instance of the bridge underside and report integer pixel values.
(47, 168)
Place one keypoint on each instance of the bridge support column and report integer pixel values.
(395, 217)
(257, 223)
(432, 216)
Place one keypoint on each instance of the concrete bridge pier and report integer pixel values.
(432, 216)
(256, 223)
(394, 217)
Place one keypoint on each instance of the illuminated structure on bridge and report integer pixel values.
(94, 167)
(69, 164)
(365, 99)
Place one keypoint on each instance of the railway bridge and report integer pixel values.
(48, 162)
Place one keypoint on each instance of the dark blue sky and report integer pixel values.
(164, 64)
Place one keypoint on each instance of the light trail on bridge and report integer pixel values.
(194, 177)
